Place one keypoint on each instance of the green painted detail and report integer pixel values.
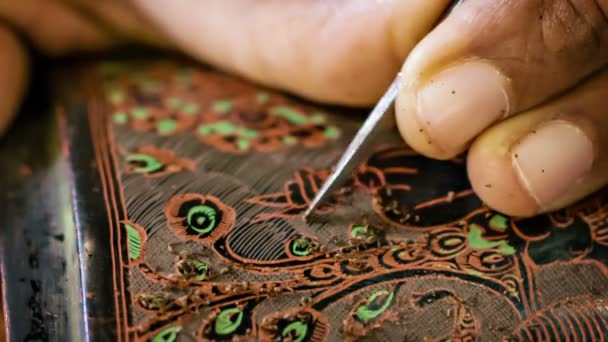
(243, 144)
(148, 163)
(116, 96)
(317, 118)
(227, 128)
(357, 231)
(202, 269)
(301, 247)
(120, 118)
(166, 126)
(205, 130)
(191, 108)
(499, 221)
(174, 102)
(140, 113)
(223, 106)
(167, 335)
(290, 115)
(331, 132)
(247, 133)
(178, 104)
(289, 140)
(452, 242)
(263, 97)
(221, 128)
(228, 321)
(368, 311)
(202, 219)
(394, 249)
(477, 241)
(135, 239)
(297, 329)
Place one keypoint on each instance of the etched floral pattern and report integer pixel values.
(427, 260)
(219, 110)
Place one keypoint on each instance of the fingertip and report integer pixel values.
(494, 179)
(14, 68)
(412, 130)
(437, 52)
(547, 158)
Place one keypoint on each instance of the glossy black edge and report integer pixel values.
(92, 227)
(36, 256)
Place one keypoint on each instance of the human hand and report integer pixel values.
(518, 83)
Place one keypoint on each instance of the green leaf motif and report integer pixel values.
(167, 335)
(135, 239)
(220, 127)
(301, 247)
(202, 219)
(297, 329)
(332, 132)
(290, 114)
(477, 241)
(147, 163)
(375, 305)
(499, 221)
(243, 144)
(358, 231)
(166, 126)
(202, 269)
(228, 321)
(120, 118)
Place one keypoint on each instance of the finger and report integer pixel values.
(547, 158)
(492, 59)
(54, 27)
(14, 69)
(335, 51)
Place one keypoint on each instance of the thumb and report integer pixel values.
(344, 52)
(13, 76)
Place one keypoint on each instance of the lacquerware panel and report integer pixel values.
(207, 178)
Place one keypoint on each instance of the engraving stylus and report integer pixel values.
(362, 145)
(381, 118)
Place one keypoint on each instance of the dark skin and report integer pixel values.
(520, 85)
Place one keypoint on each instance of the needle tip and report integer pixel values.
(312, 207)
(308, 214)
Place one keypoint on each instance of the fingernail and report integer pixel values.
(460, 102)
(552, 159)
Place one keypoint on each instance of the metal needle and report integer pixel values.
(381, 117)
(361, 146)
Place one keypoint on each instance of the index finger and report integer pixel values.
(343, 52)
